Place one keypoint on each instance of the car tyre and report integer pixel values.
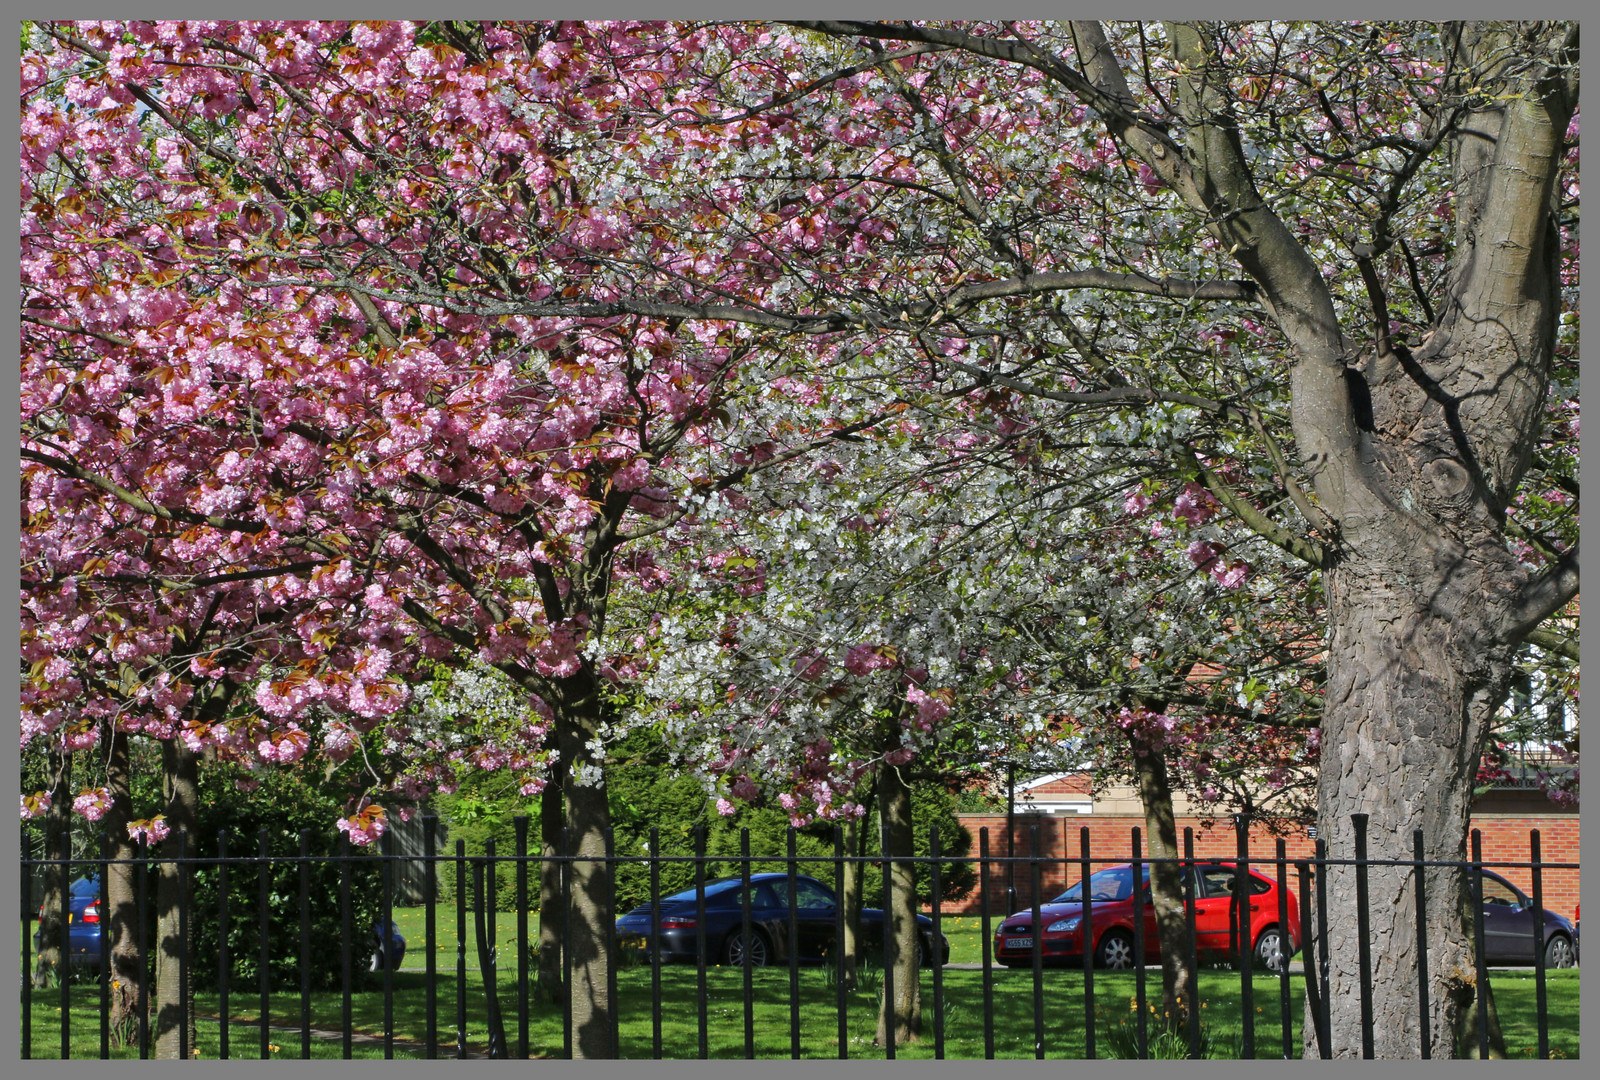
(1269, 953)
(733, 949)
(1559, 953)
(1115, 951)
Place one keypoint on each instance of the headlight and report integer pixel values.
(1063, 925)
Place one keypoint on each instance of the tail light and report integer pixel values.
(91, 913)
(678, 922)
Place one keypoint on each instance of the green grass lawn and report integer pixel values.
(963, 1015)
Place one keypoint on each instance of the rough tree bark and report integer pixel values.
(173, 1002)
(900, 910)
(590, 915)
(855, 846)
(1166, 882)
(121, 920)
(57, 845)
(552, 921)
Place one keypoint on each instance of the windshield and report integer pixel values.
(1113, 884)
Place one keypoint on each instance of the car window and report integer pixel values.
(1499, 894)
(808, 895)
(1219, 880)
(1113, 884)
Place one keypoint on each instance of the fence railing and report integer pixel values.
(226, 878)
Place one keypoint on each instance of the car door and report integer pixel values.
(1214, 908)
(816, 914)
(1507, 923)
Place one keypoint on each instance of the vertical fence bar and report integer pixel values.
(700, 934)
(142, 887)
(385, 938)
(347, 932)
(1420, 877)
(936, 943)
(1288, 948)
(656, 959)
(28, 868)
(1192, 1004)
(1035, 888)
(305, 944)
(103, 899)
(889, 943)
(608, 873)
(430, 873)
(1139, 944)
(1308, 966)
(566, 952)
(1087, 927)
(489, 898)
(1363, 933)
(64, 965)
(521, 824)
(747, 944)
(1540, 1002)
(461, 949)
(988, 944)
(180, 866)
(1325, 1018)
(1477, 945)
(265, 958)
(839, 1003)
(224, 957)
(1244, 929)
(794, 951)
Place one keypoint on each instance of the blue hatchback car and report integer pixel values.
(83, 929)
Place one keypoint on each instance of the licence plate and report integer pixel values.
(1019, 943)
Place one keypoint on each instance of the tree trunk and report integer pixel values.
(1166, 888)
(174, 1013)
(590, 918)
(1410, 695)
(855, 845)
(57, 845)
(900, 911)
(121, 919)
(552, 922)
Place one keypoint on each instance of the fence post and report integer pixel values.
(1192, 1005)
(521, 824)
(264, 876)
(935, 942)
(1540, 1002)
(840, 1004)
(347, 932)
(1420, 874)
(1244, 930)
(1085, 871)
(1035, 887)
(1477, 945)
(103, 899)
(305, 944)
(430, 931)
(1363, 933)
(988, 944)
(1139, 943)
(700, 933)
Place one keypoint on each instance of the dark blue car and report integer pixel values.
(816, 920)
(1508, 920)
(83, 929)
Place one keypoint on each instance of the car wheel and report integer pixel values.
(1115, 951)
(375, 961)
(733, 949)
(1558, 952)
(1269, 949)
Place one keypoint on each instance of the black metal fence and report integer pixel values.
(475, 919)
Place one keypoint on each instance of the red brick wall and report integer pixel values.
(1505, 838)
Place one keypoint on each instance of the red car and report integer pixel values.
(1111, 891)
